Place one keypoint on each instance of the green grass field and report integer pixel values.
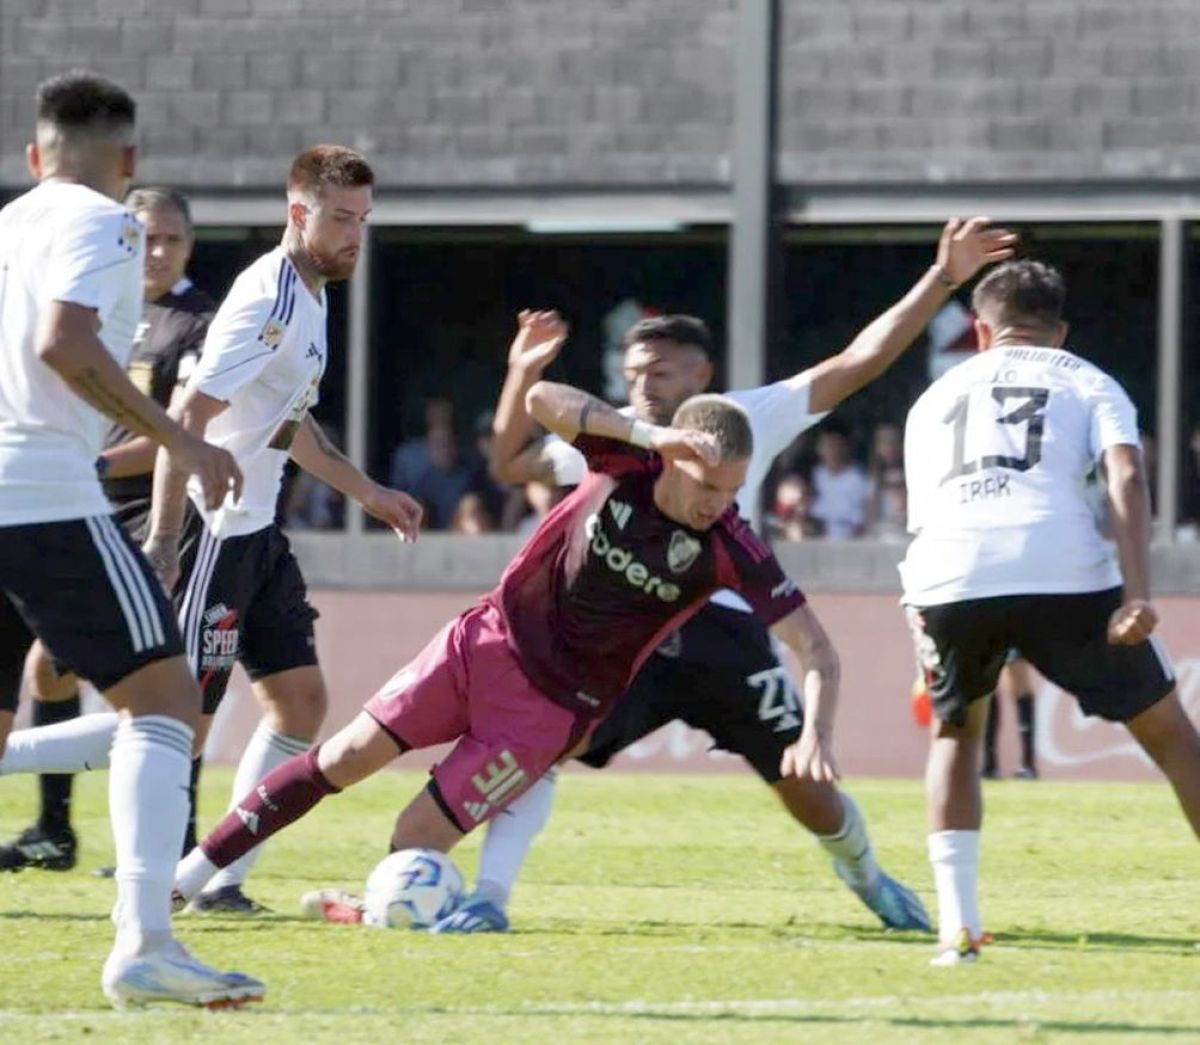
(660, 909)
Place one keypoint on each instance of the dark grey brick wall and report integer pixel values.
(606, 92)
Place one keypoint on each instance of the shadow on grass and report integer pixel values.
(1049, 939)
(58, 916)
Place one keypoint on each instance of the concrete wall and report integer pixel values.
(504, 93)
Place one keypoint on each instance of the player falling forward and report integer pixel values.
(1007, 554)
(520, 680)
(239, 592)
(166, 347)
(720, 673)
(71, 264)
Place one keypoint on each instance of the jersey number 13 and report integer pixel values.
(1030, 411)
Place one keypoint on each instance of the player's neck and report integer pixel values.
(302, 263)
(97, 181)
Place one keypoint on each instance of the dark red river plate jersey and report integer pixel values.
(607, 576)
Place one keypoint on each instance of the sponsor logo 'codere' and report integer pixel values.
(621, 560)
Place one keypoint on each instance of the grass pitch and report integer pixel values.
(660, 909)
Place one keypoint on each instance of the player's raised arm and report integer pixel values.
(515, 457)
(963, 249)
(312, 451)
(811, 756)
(570, 412)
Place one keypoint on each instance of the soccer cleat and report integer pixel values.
(474, 915)
(333, 905)
(35, 847)
(171, 974)
(960, 952)
(228, 899)
(897, 906)
(1026, 773)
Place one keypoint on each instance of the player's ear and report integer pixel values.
(704, 372)
(1060, 334)
(297, 215)
(128, 161)
(33, 160)
(983, 335)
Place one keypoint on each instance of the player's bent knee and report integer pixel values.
(162, 687)
(43, 679)
(295, 701)
(355, 752)
(423, 824)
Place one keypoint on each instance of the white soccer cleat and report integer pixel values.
(962, 951)
(333, 905)
(171, 974)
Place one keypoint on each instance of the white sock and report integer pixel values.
(193, 872)
(955, 859)
(266, 750)
(65, 747)
(851, 847)
(148, 806)
(509, 835)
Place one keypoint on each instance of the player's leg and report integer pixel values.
(1017, 681)
(1169, 737)
(277, 647)
(421, 705)
(511, 833)
(962, 646)
(991, 733)
(95, 601)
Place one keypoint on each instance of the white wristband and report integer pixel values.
(642, 434)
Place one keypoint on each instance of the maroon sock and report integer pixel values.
(283, 795)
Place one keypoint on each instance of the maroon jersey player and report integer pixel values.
(521, 679)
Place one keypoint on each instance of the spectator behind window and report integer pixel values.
(790, 515)
(471, 517)
(432, 469)
(309, 504)
(841, 489)
(887, 510)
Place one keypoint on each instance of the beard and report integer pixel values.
(332, 267)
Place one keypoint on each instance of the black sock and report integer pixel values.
(990, 729)
(189, 836)
(1025, 725)
(55, 788)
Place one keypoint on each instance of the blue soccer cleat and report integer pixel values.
(475, 915)
(897, 906)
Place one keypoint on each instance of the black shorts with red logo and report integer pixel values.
(241, 599)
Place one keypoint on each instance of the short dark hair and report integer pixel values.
(686, 330)
(721, 418)
(79, 101)
(325, 166)
(154, 196)
(1026, 291)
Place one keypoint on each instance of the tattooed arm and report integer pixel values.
(313, 451)
(68, 342)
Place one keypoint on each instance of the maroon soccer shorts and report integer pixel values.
(467, 685)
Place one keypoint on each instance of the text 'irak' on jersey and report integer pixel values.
(67, 243)
(264, 355)
(996, 454)
(778, 413)
(607, 575)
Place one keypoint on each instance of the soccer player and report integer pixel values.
(720, 672)
(166, 347)
(71, 263)
(1015, 684)
(238, 589)
(1007, 555)
(520, 680)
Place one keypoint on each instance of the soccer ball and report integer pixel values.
(412, 889)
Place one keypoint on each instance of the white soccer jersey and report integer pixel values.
(778, 414)
(264, 355)
(59, 242)
(996, 454)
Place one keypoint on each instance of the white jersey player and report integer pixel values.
(71, 263)
(1007, 556)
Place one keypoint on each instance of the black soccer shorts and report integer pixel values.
(241, 599)
(84, 588)
(719, 673)
(963, 645)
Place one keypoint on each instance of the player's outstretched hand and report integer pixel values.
(1132, 623)
(686, 444)
(966, 246)
(218, 472)
(540, 336)
(810, 758)
(163, 553)
(394, 507)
